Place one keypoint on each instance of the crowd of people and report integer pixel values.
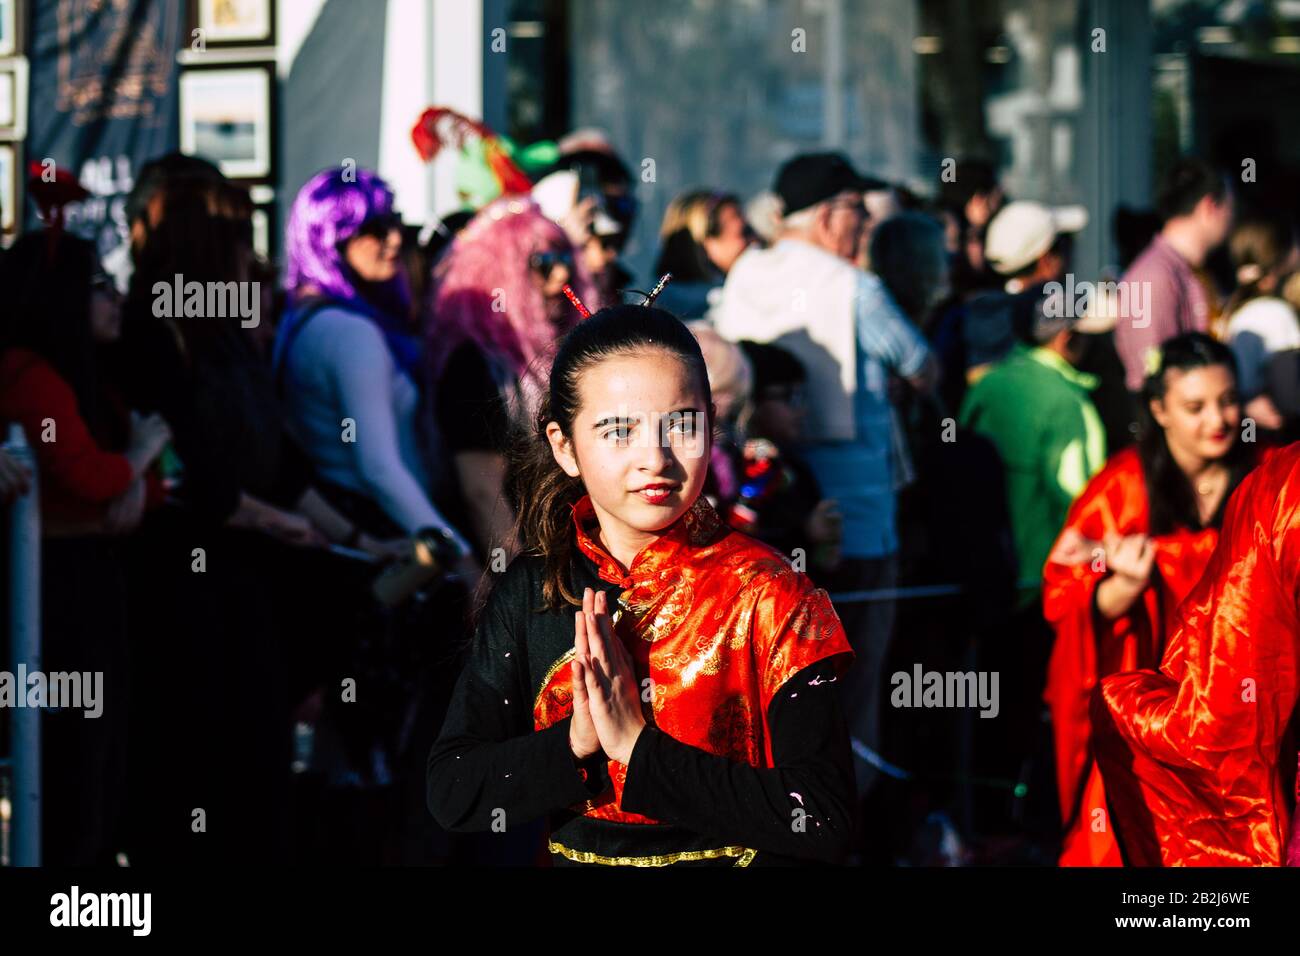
(903, 401)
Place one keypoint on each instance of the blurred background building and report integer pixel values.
(1074, 100)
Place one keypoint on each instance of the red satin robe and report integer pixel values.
(1197, 757)
(1088, 647)
(718, 622)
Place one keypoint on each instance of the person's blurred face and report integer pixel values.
(881, 204)
(599, 253)
(951, 232)
(982, 207)
(375, 252)
(732, 239)
(105, 307)
(1215, 218)
(1200, 412)
(779, 413)
(839, 224)
(1055, 262)
(938, 275)
(551, 271)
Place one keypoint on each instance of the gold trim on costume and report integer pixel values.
(565, 658)
(745, 855)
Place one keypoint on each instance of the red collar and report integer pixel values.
(697, 526)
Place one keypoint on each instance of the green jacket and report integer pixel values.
(1034, 407)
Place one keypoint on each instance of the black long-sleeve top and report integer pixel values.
(226, 424)
(490, 769)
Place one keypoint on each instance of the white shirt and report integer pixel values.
(1257, 331)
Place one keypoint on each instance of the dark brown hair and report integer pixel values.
(544, 492)
(1189, 181)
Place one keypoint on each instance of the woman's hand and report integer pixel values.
(577, 221)
(1129, 559)
(384, 551)
(611, 686)
(1073, 548)
(292, 529)
(126, 510)
(583, 739)
(1265, 413)
(825, 525)
(149, 436)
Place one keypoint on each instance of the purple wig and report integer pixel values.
(328, 211)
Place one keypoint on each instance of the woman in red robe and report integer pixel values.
(1134, 544)
(1199, 757)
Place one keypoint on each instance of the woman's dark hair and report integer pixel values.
(47, 283)
(684, 258)
(204, 235)
(773, 366)
(1171, 498)
(544, 525)
(157, 174)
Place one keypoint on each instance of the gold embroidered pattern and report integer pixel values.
(731, 731)
(563, 661)
(743, 854)
(656, 608)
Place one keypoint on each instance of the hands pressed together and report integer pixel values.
(606, 698)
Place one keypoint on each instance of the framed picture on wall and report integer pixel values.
(13, 99)
(227, 23)
(226, 118)
(9, 25)
(8, 188)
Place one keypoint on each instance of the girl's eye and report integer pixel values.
(618, 435)
(683, 426)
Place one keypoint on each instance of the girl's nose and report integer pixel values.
(659, 453)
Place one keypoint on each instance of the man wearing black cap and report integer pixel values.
(804, 294)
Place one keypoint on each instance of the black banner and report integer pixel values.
(103, 101)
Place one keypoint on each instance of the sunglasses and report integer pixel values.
(544, 263)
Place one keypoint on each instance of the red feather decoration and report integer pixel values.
(439, 126)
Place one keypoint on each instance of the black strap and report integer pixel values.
(303, 314)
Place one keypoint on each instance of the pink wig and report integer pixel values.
(483, 290)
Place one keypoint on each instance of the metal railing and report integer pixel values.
(24, 564)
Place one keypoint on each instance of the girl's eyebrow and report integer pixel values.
(616, 420)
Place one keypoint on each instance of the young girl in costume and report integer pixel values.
(1135, 542)
(659, 686)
